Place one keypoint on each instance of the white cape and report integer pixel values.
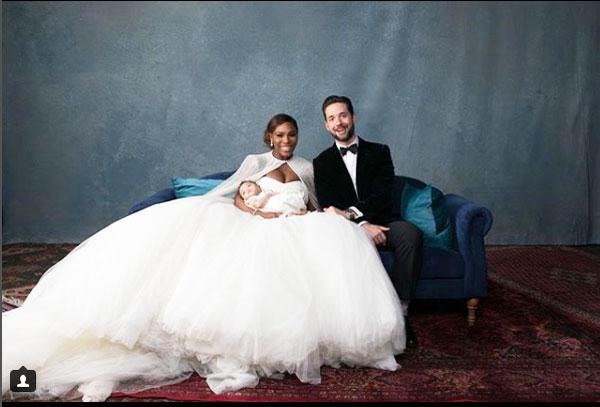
(256, 166)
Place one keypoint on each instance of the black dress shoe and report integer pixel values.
(411, 337)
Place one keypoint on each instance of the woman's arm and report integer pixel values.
(239, 203)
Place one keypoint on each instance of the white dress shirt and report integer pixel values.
(350, 161)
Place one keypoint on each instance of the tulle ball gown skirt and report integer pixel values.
(194, 284)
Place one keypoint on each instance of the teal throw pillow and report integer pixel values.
(185, 187)
(423, 208)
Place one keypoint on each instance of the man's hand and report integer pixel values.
(333, 209)
(376, 232)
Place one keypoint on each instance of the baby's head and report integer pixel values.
(248, 189)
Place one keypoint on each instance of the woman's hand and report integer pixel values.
(268, 215)
(299, 212)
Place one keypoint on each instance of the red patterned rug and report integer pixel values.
(14, 297)
(535, 338)
(564, 278)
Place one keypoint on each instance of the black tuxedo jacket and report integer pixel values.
(374, 181)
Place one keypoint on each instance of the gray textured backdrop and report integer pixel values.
(104, 102)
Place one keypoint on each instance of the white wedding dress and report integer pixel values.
(195, 284)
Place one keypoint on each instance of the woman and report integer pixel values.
(197, 284)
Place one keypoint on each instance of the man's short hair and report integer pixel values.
(329, 100)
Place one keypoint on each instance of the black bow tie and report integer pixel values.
(353, 149)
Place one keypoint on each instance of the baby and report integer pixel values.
(286, 203)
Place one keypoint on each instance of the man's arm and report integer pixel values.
(324, 187)
(379, 200)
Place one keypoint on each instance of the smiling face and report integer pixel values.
(284, 139)
(248, 189)
(339, 122)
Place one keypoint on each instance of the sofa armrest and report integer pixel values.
(471, 223)
(163, 195)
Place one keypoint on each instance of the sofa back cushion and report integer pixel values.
(399, 183)
(423, 206)
(186, 187)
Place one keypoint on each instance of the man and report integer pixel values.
(354, 178)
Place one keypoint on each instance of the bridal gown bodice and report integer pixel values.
(195, 284)
(291, 196)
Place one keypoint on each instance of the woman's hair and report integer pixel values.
(275, 121)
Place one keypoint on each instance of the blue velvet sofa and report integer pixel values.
(458, 273)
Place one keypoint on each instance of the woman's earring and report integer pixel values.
(271, 143)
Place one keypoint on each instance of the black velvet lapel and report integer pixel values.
(362, 160)
(343, 177)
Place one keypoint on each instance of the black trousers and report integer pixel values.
(405, 240)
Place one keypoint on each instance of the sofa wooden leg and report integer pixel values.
(472, 305)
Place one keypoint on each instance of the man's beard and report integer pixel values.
(349, 135)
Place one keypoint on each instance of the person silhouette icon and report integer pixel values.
(23, 380)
